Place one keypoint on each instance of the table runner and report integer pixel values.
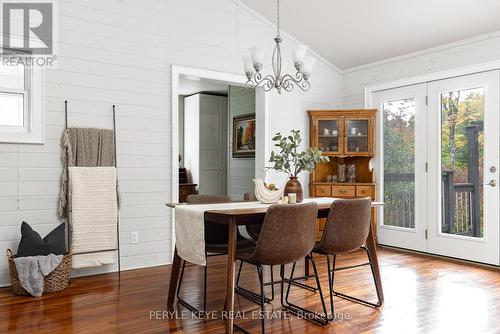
(190, 231)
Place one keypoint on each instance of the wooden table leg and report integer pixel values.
(372, 252)
(231, 264)
(174, 279)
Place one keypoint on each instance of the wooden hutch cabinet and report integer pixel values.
(348, 138)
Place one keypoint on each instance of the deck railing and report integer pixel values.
(458, 198)
(399, 199)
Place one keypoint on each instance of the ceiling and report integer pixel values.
(350, 33)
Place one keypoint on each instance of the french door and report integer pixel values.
(403, 117)
(441, 143)
(463, 167)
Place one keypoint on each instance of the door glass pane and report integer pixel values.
(328, 136)
(399, 163)
(357, 135)
(11, 109)
(462, 148)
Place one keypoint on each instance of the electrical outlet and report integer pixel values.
(134, 237)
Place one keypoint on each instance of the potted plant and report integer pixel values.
(289, 160)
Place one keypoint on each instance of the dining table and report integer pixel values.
(234, 217)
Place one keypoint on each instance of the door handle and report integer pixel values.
(492, 183)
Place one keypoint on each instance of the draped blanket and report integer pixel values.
(84, 147)
(93, 215)
(32, 270)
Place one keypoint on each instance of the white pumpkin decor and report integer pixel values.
(265, 195)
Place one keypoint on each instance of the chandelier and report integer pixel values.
(303, 64)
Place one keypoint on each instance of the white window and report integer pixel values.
(20, 102)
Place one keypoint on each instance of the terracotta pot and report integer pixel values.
(293, 186)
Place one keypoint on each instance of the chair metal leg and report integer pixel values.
(182, 301)
(262, 299)
(239, 273)
(321, 319)
(354, 299)
(261, 302)
(205, 274)
(272, 283)
(180, 278)
(254, 297)
(331, 277)
(282, 283)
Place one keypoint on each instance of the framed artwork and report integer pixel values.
(244, 136)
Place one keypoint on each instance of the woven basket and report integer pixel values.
(57, 280)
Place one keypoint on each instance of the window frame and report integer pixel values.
(32, 130)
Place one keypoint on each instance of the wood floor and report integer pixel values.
(422, 295)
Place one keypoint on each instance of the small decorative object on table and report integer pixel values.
(292, 162)
(267, 194)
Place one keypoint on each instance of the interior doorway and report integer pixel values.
(203, 148)
(216, 138)
(239, 182)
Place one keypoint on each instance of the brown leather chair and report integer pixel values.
(346, 230)
(288, 235)
(216, 240)
(253, 230)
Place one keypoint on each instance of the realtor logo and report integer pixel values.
(28, 27)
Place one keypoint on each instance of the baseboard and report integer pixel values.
(442, 257)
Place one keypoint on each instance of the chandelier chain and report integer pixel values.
(278, 17)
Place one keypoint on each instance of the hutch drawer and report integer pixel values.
(343, 191)
(364, 191)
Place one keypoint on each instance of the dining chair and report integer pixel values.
(216, 243)
(288, 235)
(252, 230)
(346, 230)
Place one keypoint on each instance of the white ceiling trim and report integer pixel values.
(424, 52)
(273, 25)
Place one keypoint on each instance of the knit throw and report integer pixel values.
(84, 147)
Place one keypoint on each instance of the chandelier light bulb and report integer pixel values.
(257, 56)
(308, 65)
(249, 69)
(299, 53)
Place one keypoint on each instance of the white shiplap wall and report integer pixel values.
(462, 53)
(120, 52)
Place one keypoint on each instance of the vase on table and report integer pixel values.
(293, 186)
